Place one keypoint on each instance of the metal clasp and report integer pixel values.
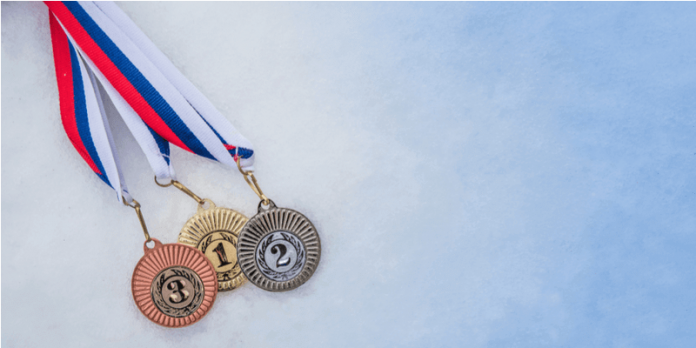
(251, 180)
(183, 188)
(136, 206)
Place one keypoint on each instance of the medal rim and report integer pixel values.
(249, 264)
(240, 279)
(191, 262)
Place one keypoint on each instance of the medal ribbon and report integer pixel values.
(130, 65)
(157, 103)
(82, 113)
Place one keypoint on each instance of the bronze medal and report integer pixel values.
(174, 285)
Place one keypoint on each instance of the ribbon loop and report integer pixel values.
(96, 41)
(149, 83)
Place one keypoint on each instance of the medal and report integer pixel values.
(214, 231)
(279, 248)
(173, 285)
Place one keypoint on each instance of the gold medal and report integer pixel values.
(214, 232)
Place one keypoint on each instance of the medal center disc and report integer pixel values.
(281, 255)
(177, 291)
(220, 249)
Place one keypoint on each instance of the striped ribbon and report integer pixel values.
(97, 41)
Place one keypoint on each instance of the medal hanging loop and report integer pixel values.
(135, 205)
(251, 180)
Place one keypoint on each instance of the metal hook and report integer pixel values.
(136, 206)
(251, 180)
(183, 188)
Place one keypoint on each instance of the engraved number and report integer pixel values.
(178, 293)
(283, 250)
(220, 251)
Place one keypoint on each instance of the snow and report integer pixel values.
(481, 175)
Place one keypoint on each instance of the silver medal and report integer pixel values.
(278, 248)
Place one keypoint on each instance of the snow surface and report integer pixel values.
(481, 174)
